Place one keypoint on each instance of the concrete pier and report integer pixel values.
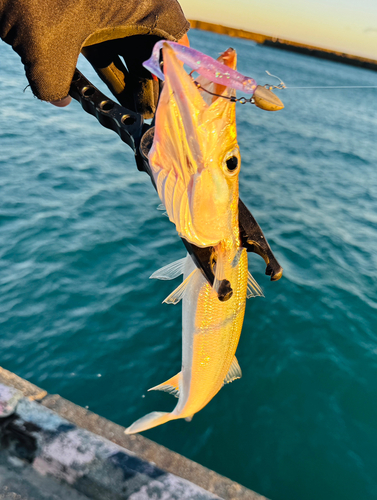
(52, 449)
(280, 43)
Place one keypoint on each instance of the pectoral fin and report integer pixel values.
(219, 268)
(234, 372)
(170, 271)
(237, 256)
(171, 386)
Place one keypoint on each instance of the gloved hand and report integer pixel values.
(49, 35)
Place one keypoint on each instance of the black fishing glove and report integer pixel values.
(49, 35)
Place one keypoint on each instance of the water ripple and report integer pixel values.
(80, 235)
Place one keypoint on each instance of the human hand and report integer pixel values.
(49, 36)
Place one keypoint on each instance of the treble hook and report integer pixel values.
(280, 86)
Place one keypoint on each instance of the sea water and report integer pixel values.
(80, 235)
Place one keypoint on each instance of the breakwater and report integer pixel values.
(281, 43)
(51, 448)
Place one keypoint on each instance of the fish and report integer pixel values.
(195, 163)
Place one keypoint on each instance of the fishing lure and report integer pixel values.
(206, 66)
(218, 73)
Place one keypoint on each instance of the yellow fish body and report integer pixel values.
(195, 162)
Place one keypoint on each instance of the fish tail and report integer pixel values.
(148, 421)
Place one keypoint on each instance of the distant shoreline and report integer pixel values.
(280, 43)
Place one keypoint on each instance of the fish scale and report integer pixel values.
(215, 338)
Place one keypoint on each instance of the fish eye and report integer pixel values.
(232, 163)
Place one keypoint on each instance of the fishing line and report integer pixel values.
(337, 87)
(281, 86)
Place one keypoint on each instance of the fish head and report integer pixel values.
(195, 159)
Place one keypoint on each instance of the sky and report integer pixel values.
(342, 25)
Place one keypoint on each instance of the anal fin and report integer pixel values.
(171, 386)
(234, 372)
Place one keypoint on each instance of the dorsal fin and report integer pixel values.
(253, 289)
(234, 372)
(170, 271)
(177, 294)
(171, 386)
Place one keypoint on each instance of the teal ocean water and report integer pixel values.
(80, 235)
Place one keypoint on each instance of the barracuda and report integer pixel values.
(195, 163)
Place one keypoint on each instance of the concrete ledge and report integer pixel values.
(46, 436)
